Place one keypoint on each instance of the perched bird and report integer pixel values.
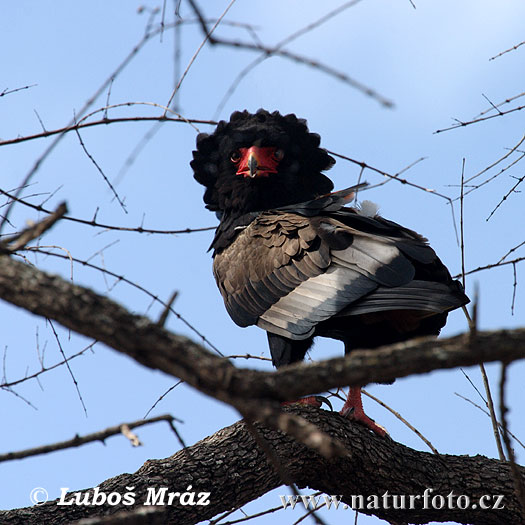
(291, 258)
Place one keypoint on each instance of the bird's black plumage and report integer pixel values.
(292, 259)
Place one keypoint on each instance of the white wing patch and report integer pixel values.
(317, 299)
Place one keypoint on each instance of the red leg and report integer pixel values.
(353, 410)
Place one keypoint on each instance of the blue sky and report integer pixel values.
(432, 62)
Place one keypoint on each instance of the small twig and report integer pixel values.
(510, 152)
(265, 54)
(77, 441)
(45, 369)
(507, 50)
(244, 518)
(396, 177)
(504, 198)
(472, 321)
(461, 201)
(491, 103)
(514, 437)
(163, 396)
(138, 287)
(518, 482)
(511, 251)
(193, 58)
(164, 315)
(95, 224)
(490, 405)
(40, 121)
(249, 356)
(328, 70)
(506, 101)
(309, 513)
(493, 265)
(103, 122)
(461, 124)
(91, 158)
(8, 91)
(514, 287)
(403, 420)
(66, 362)
(20, 240)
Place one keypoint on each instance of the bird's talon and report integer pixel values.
(322, 400)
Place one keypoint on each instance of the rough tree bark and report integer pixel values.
(234, 470)
(229, 464)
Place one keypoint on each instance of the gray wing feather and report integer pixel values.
(415, 295)
(314, 300)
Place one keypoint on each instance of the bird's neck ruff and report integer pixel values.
(260, 161)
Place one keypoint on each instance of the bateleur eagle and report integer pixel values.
(291, 258)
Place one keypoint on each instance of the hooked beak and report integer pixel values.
(252, 165)
(257, 162)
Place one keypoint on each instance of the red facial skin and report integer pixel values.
(257, 161)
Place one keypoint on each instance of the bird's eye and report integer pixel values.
(278, 154)
(235, 156)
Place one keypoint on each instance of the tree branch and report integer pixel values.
(77, 441)
(86, 312)
(243, 473)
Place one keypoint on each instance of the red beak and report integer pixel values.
(257, 162)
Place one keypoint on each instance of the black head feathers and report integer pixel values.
(298, 176)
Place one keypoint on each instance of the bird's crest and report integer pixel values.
(296, 176)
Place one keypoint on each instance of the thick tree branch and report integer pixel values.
(243, 473)
(88, 313)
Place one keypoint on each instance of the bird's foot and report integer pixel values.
(315, 401)
(358, 414)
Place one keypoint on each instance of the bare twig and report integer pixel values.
(461, 124)
(249, 356)
(403, 420)
(492, 411)
(511, 251)
(20, 240)
(514, 287)
(492, 265)
(164, 315)
(311, 63)
(102, 122)
(506, 101)
(193, 58)
(473, 331)
(514, 437)
(504, 198)
(138, 287)
(99, 169)
(518, 483)
(245, 518)
(94, 223)
(66, 362)
(265, 55)
(8, 91)
(45, 369)
(77, 441)
(513, 48)
(162, 397)
(461, 201)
